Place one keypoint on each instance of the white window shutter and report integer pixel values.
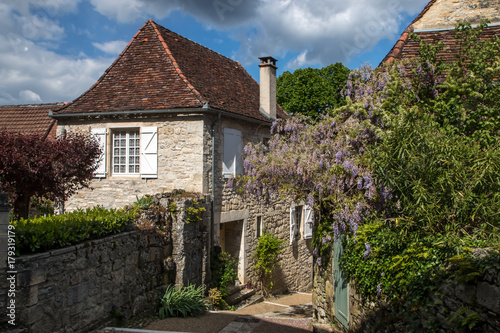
(231, 165)
(308, 222)
(149, 152)
(293, 223)
(100, 135)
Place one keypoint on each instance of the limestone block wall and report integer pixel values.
(180, 161)
(294, 272)
(74, 289)
(445, 14)
(453, 302)
(190, 240)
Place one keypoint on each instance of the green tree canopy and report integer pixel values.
(312, 91)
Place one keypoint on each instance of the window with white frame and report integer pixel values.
(126, 152)
(133, 152)
(301, 222)
(232, 165)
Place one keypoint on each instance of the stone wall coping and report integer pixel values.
(36, 256)
(73, 248)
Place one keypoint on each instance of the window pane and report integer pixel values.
(116, 168)
(137, 169)
(123, 160)
(122, 168)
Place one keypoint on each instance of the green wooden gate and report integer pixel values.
(341, 286)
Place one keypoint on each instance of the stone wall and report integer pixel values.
(75, 289)
(445, 14)
(180, 161)
(294, 272)
(190, 240)
(452, 307)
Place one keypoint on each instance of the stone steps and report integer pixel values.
(238, 294)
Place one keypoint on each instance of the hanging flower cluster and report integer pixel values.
(323, 162)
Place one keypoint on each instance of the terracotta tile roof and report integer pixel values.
(405, 47)
(28, 118)
(160, 69)
(395, 52)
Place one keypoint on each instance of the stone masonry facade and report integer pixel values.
(180, 161)
(294, 272)
(445, 14)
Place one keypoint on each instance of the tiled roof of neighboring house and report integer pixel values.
(29, 119)
(436, 23)
(160, 70)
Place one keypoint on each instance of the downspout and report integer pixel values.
(212, 217)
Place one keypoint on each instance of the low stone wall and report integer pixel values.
(78, 288)
(75, 288)
(454, 306)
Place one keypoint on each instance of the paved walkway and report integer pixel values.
(285, 314)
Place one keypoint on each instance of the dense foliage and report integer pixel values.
(52, 232)
(312, 92)
(52, 169)
(224, 271)
(409, 167)
(266, 259)
(182, 302)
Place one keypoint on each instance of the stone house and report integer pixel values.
(437, 22)
(172, 114)
(334, 299)
(29, 119)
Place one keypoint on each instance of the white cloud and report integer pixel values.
(321, 32)
(31, 73)
(29, 96)
(113, 47)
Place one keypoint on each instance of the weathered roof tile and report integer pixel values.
(160, 69)
(28, 119)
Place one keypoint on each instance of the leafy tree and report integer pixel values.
(53, 169)
(312, 91)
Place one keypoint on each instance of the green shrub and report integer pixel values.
(143, 202)
(52, 232)
(266, 256)
(224, 271)
(194, 213)
(182, 302)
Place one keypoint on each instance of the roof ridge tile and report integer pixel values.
(174, 63)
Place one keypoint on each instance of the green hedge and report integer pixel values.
(52, 232)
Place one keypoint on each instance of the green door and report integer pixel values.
(341, 286)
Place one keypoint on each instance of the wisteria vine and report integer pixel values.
(323, 163)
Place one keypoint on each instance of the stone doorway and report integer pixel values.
(232, 241)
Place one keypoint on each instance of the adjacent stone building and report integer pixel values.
(172, 114)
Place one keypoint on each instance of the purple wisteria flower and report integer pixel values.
(318, 262)
(368, 250)
(379, 289)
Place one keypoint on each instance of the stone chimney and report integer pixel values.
(268, 86)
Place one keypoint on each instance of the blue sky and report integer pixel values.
(54, 50)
